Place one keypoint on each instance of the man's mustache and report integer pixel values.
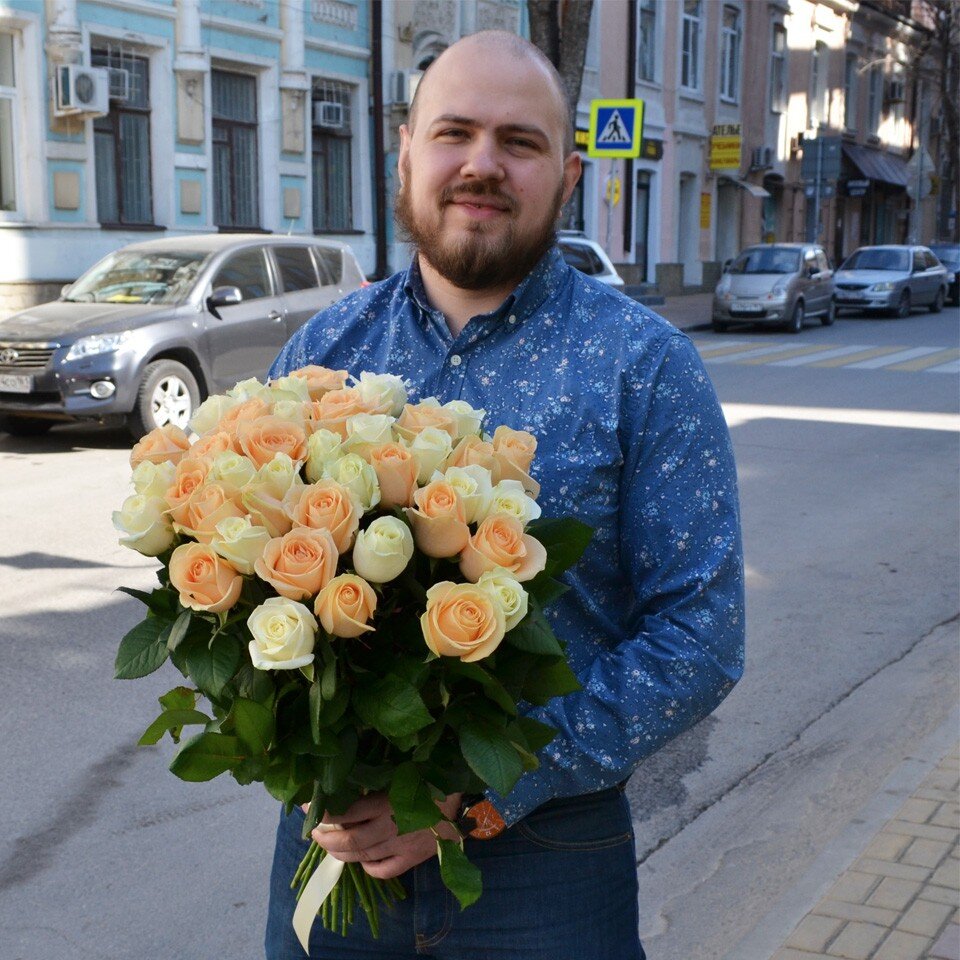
(478, 191)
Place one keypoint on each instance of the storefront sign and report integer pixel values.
(725, 146)
(705, 211)
(857, 188)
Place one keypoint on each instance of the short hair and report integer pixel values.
(520, 49)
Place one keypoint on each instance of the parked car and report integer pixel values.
(152, 329)
(781, 283)
(949, 255)
(891, 278)
(589, 258)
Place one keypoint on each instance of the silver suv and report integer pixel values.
(781, 283)
(152, 329)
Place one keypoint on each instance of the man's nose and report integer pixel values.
(483, 160)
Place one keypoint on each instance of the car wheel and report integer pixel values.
(719, 326)
(903, 305)
(168, 395)
(796, 320)
(937, 304)
(25, 426)
(831, 315)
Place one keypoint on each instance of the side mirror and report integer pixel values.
(224, 297)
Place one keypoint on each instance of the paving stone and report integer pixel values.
(885, 868)
(857, 941)
(855, 911)
(947, 874)
(887, 846)
(813, 933)
(947, 946)
(926, 830)
(950, 895)
(942, 780)
(925, 853)
(925, 918)
(917, 811)
(903, 946)
(947, 815)
(853, 886)
(944, 796)
(894, 894)
(788, 953)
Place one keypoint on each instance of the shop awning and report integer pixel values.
(875, 165)
(755, 190)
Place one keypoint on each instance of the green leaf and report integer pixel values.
(328, 682)
(335, 770)
(536, 735)
(491, 685)
(316, 706)
(211, 667)
(545, 589)
(179, 630)
(491, 756)
(141, 650)
(392, 706)
(162, 602)
(206, 756)
(254, 725)
(534, 635)
(172, 720)
(564, 539)
(412, 802)
(280, 780)
(459, 875)
(179, 698)
(318, 806)
(550, 679)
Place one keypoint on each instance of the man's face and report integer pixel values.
(483, 174)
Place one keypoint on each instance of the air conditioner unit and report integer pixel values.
(403, 86)
(81, 91)
(119, 83)
(328, 113)
(895, 91)
(761, 158)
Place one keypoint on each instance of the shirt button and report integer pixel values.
(511, 319)
(456, 360)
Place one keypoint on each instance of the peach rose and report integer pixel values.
(462, 620)
(209, 446)
(262, 439)
(251, 409)
(204, 580)
(516, 446)
(189, 476)
(157, 446)
(438, 520)
(345, 606)
(425, 414)
(333, 409)
(396, 469)
(326, 505)
(472, 450)
(501, 542)
(205, 508)
(299, 564)
(320, 380)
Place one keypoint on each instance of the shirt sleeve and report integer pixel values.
(680, 547)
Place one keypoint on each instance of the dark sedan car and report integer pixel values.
(152, 329)
(949, 255)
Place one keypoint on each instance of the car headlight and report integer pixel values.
(884, 287)
(99, 343)
(951, 277)
(778, 292)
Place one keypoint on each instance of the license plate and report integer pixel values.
(747, 307)
(11, 383)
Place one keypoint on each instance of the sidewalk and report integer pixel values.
(690, 310)
(899, 899)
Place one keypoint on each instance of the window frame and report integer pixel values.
(690, 58)
(875, 100)
(324, 137)
(11, 95)
(229, 125)
(818, 106)
(850, 90)
(647, 54)
(731, 45)
(778, 69)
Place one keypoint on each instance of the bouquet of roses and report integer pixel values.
(355, 586)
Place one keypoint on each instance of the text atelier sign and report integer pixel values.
(726, 144)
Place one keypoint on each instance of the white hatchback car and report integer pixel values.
(589, 257)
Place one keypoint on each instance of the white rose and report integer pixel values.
(290, 388)
(507, 592)
(366, 430)
(240, 542)
(250, 388)
(508, 498)
(468, 418)
(380, 388)
(283, 635)
(383, 550)
(474, 485)
(145, 524)
(289, 409)
(232, 468)
(431, 446)
(153, 479)
(211, 412)
(279, 474)
(358, 477)
(323, 448)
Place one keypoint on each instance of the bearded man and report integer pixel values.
(631, 440)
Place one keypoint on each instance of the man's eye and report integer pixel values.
(520, 142)
(455, 134)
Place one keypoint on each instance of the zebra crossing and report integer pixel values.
(856, 356)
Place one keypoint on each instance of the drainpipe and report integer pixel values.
(629, 187)
(379, 155)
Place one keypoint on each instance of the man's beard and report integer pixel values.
(478, 261)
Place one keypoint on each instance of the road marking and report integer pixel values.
(737, 414)
(877, 362)
(863, 355)
(825, 355)
(933, 360)
(953, 367)
(729, 346)
(801, 354)
(748, 354)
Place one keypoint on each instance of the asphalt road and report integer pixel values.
(849, 489)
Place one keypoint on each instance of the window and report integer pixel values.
(236, 176)
(874, 99)
(296, 268)
(246, 270)
(647, 44)
(582, 258)
(850, 92)
(778, 69)
(817, 96)
(730, 55)
(332, 157)
(8, 95)
(122, 148)
(329, 266)
(690, 50)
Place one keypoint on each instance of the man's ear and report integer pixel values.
(404, 151)
(572, 170)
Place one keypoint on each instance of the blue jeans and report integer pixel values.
(559, 885)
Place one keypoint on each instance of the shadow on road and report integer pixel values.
(67, 438)
(50, 561)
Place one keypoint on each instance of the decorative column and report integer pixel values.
(190, 68)
(294, 83)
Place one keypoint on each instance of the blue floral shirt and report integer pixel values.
(631, 440)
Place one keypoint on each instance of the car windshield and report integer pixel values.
(878, 259)
(138, 277)
(766, 260)
(949, 255)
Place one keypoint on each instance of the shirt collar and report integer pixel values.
(543, 281)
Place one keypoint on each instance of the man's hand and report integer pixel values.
(366, 834)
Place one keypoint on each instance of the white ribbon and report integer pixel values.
(318, 888)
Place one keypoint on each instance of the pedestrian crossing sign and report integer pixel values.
(616, 128)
